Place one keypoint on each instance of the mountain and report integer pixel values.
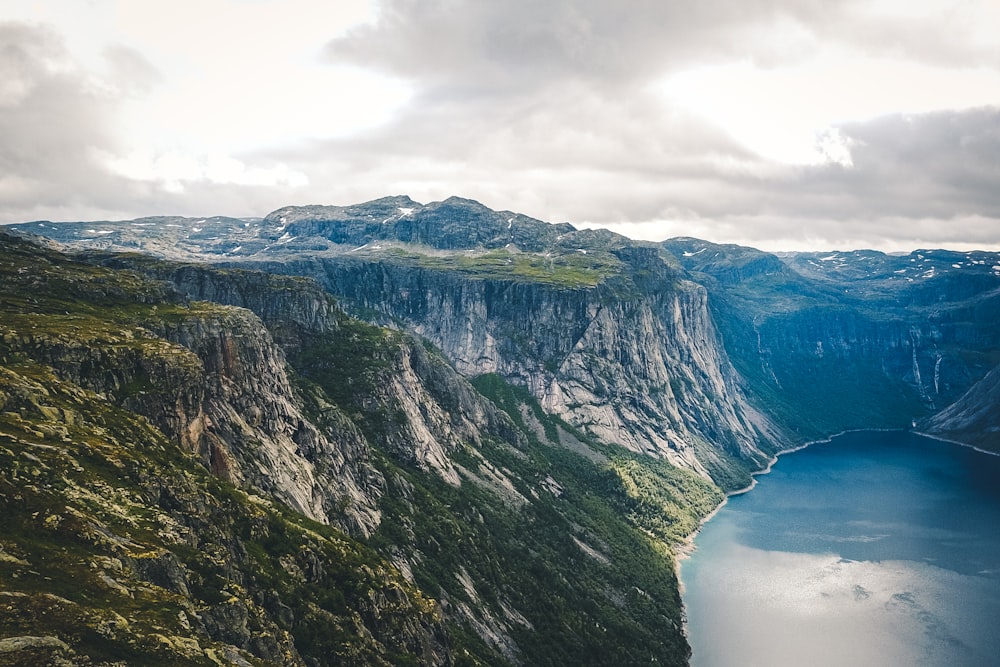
(194, 482)
(119, 546)
(974, 418)
(512, 425)
(834, 341)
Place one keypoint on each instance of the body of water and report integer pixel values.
(876, 548)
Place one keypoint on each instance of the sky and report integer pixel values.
(780, 124)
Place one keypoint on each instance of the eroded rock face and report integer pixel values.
(437, 411)
(642, 368)
(427, 409)
(119, 546)
(212, 378)
(974, 418)
(249, 428)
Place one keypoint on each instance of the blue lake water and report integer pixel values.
(876, 548)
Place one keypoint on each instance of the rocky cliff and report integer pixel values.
(118, 546)
(490, 532)
(851, 340)
(974, 418)
(516, 422)
(631, 358)
(608, 334)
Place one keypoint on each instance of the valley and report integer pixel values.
(404, 433)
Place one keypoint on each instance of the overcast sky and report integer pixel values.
(782, 124)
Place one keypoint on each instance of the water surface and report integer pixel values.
(876, 548)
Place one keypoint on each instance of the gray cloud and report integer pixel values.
(555, 95)
(132, 73)
(940, 164)
(546, 108)
(58, 125)
(51, 122)
(483, 47)
(944, 38)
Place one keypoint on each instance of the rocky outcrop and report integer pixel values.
(454, 223)
(118, 546)
(168, 565)
(436, 412)
(292, 307)
(249, 429)
(424, 410)
(634, 361)
(974, 418)
(211, 378)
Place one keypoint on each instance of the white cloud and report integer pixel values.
(787, 113)
(174, 169)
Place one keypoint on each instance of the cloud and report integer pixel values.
(51, 119)
(736, 121)
(931, 32)
(63, 154)
(132, 73)
(942, 165)
(522, 44)
(914, 180)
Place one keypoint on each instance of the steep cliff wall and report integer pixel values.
(251, 430)
(211, 378)
(424, 410)
(974, 418)
(528, 532)
(850, 340)
(634, 361)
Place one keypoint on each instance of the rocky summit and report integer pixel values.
(403, 433)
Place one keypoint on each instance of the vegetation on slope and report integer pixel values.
(850, 340)
(118, 547)
(562, 269)
(545, 553)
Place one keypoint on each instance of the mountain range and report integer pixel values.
(404, 433)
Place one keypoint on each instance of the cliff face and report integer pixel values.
(974, 418)
(120, 396)
(608, 334)
(250, 430)
(635, 360)
(426, 410)
(851, 340)
(211, 378)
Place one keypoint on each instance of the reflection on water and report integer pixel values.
(873, 549)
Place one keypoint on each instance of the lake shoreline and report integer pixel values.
(857, 482)
(686, 548)
(939, 438)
